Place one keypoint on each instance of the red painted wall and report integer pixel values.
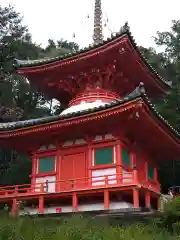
(142, 162)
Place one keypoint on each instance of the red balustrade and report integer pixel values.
(67, 185)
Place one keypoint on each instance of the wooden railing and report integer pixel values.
(68, 185)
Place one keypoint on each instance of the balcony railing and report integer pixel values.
(67, 185)
(97, 182)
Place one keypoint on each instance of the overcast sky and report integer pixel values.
(61, 18)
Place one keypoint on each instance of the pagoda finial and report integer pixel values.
(97, 35)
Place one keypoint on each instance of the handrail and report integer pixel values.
(77, 183)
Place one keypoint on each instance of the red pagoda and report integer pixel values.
(102, 152)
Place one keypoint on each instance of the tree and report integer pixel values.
(18, 100)
(59, 48)
(170, 41)
(167, 63)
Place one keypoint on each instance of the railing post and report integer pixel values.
(42, 188)
(16, 189)
(73, 184)
(106, 180)
(47, 185)
(135, 175)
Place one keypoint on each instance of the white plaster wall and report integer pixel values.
(28, 210)
(51, 183)
(68, 143)
(120, 205)
(79, 141)
(42, 148)
(83, 106)
(51, 146)
(100, 175)
(98, 138)
(129, 176)
(64, 209)
(108, 136)
(115, 205)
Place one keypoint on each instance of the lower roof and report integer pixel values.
(151, 131)
(138, 93)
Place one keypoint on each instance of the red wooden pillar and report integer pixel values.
(89, 160)
(58, 163)
(74, 202)
(33, 175)
(106, 199)
(119, 169)
(148, 199)
(136, 197)
(41, 205)
(14, 209)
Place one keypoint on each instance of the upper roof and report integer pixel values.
(121, 44)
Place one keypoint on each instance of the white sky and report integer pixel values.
(60, 18)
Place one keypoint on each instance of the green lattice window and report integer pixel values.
(150, 172)
(46, 164)
(126, 157)
(103, 156)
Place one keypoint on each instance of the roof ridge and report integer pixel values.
(124, 30)
(144, 59)
(26, 63)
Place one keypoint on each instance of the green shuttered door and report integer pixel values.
(103, 156)
(46, 164)
(126, 157)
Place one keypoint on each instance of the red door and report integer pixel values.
(73, 171)
(80, 170)
(66, 172)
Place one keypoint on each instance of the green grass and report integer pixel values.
(77, 228)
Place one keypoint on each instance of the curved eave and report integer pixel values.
(21, 127)
(27, 66)
(161, 125)
(55, 122)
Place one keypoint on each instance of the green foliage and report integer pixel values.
(18, 99)
(171, 216)
(167, 63)
(77, 228)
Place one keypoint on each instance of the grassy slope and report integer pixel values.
(76, 228)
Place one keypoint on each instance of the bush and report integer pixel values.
(170, 218)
